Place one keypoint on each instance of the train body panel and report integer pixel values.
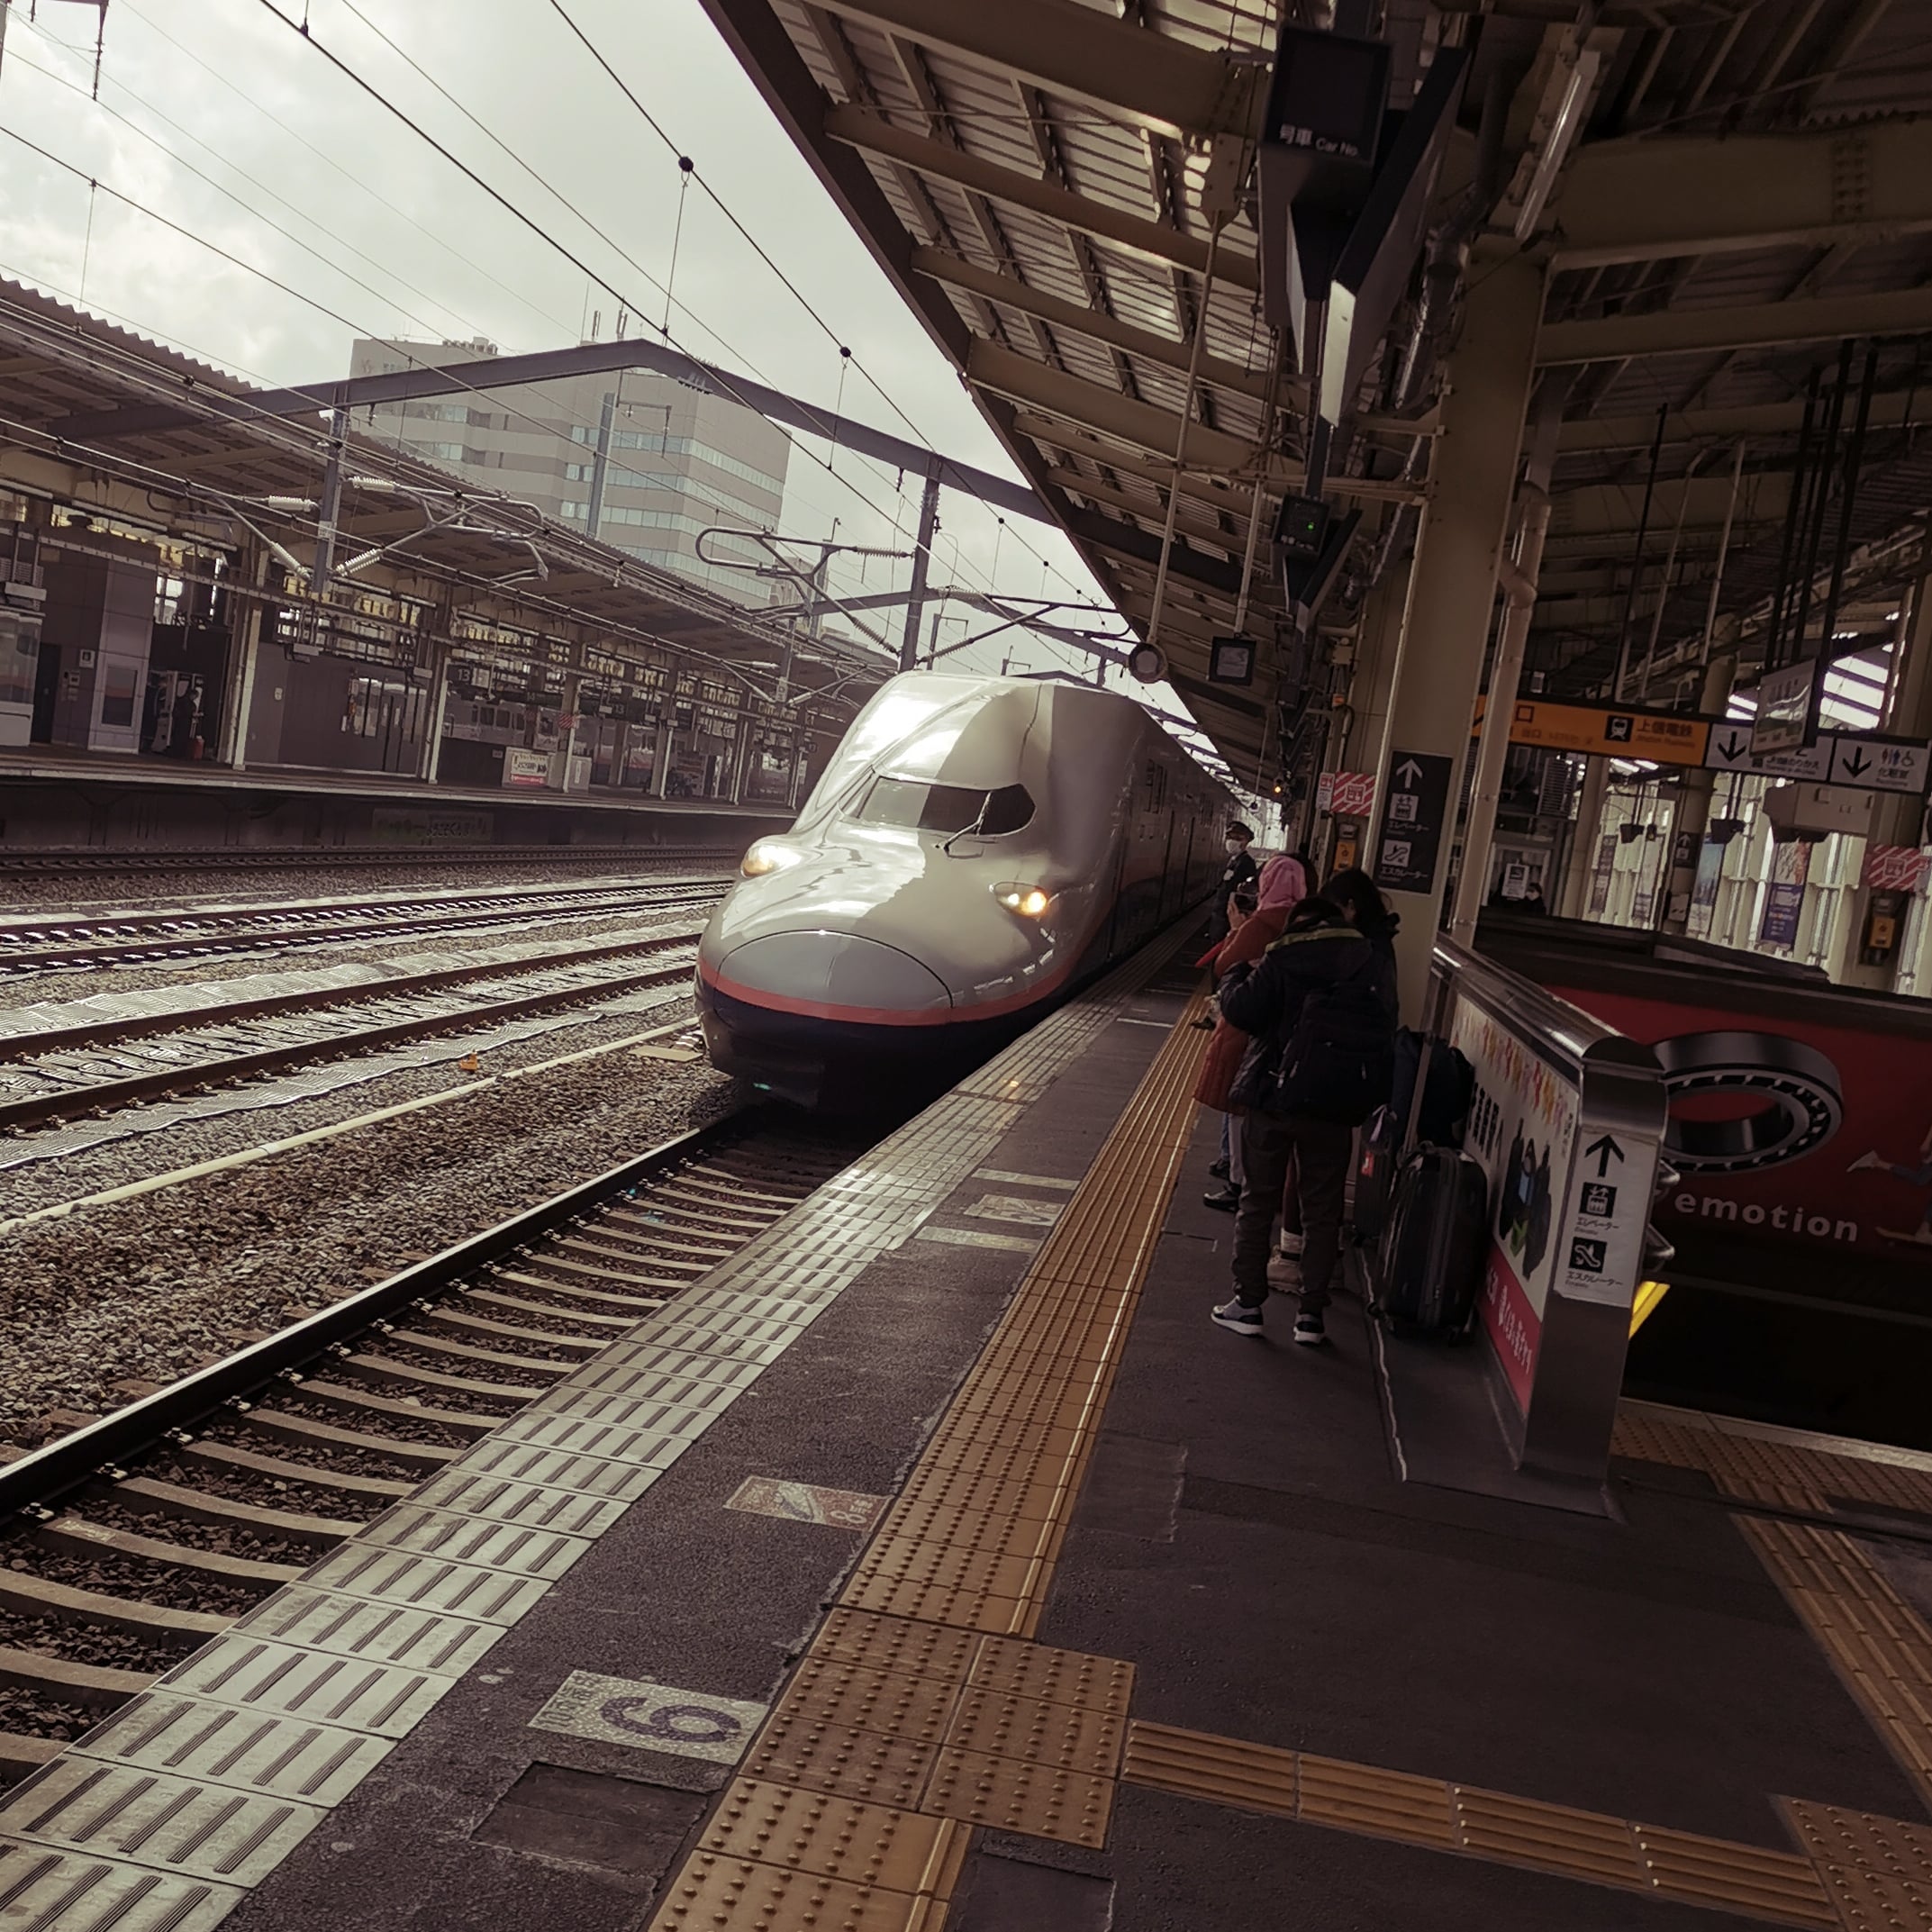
(975, 850)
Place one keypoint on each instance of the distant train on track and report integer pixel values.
(977, 849)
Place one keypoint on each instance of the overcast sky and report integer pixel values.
(217, 116)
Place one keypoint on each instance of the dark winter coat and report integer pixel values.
(1266, 999)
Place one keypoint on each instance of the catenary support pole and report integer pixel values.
(929, 523)
(250, 572)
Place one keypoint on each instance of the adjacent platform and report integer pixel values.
(50, 797)
(938, 1562)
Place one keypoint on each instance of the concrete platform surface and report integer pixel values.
(1153, 1633)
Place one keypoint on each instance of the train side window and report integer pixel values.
(945, 808)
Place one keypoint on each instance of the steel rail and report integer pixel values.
(97, 1450)
(36, 1109)
(108, 941)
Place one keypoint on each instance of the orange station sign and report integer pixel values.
(1610, 731)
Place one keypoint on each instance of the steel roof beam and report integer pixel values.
(1137, 234)
(1081, 320)
(1150, 79)
(505, 372)
(1139, 425)
(1590, 435)
(1681, 331)
(1626, 201)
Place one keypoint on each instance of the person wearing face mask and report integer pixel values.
(1238, 874)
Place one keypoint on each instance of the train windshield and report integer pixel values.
(946, 808)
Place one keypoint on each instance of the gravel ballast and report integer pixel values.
(149, 1288)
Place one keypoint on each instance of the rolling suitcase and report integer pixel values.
(1431, 1266)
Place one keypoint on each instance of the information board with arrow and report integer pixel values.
(1603, 1233)
(1871, 763)
(1412, 822)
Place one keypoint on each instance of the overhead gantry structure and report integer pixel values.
(1653, 229)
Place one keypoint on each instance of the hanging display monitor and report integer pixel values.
(1231, 661)
(1328, 94)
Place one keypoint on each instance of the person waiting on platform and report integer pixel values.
(1237, 874)
(1282, 885)
(1321, 1005)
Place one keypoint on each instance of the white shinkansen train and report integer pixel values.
(977, 848)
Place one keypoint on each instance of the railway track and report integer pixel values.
(58, 864)
(31, 947)
(96, 1064)
(129, 1542)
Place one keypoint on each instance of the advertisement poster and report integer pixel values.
(1785, 897)
(1789, 1131)
(1704, 889)
(1522, 1123)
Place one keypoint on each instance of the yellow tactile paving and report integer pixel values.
(1368, 1798)
(918, 1702)
(1545, 1837)
(1879, 1642)
(833, 1837)
(1801, 1477)
(1011, 1795)
(1063, 1736)
(710, 1891)
(1498, 1827)
(1877, 1870)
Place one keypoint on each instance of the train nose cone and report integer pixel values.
(835, 975)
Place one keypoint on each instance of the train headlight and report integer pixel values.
(1028, 900)
(763, 859)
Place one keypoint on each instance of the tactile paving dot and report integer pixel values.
(969, 1608)
(1039, 1733)
(825, 1757)
(836, 1691)
(1035, 1799)
(932, 1519)
(896, 1644)
(1018, 1669)
(810, 1831)
(948, 1565)
(713, 1892)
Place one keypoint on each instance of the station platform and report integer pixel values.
(936, 1561)
(51, 797)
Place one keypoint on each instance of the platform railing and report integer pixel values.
(1567, 1121)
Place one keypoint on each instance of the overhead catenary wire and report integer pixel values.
(694, 486)
(569, 255)
(712, 498)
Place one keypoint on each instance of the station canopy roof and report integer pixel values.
(102, 420)
(1750, 186)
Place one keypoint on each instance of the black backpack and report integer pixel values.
(1339, 1062)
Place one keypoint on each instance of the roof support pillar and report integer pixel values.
(1453, 581)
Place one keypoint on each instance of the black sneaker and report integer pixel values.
(1205, 1024)
(1218, 1169)
(1238, 1317)
(1308, 1331)
(1224, 1200)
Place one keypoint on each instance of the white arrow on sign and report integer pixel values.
(1408, 771)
